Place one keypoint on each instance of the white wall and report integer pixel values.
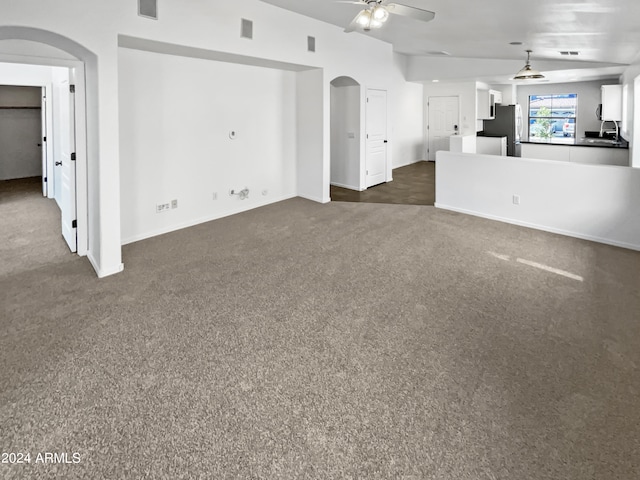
(595, 202)
(90, 31)
(20, 156)
(176, 115)
(20, 132)
(631, 128)
(406, 116)
(20, 96)
(345, 136)
(589, 97)
(313, 124)
(41, 76)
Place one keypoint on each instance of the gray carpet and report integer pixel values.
(346, 340)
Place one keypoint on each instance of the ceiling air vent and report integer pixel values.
(246, 28)
(311, 44)
(569, 52)
(148, 9)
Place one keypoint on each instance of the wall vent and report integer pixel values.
(148, 8)
(311, 44)
(246, 28)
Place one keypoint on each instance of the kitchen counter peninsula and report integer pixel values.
(583, 142)
(595, 151)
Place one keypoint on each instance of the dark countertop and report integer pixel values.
(586, 142)
(482, 134)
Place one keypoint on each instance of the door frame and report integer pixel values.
(45, 139)
(77, 73)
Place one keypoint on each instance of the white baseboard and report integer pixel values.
(197, 221)
(104, 272)
(313, 199)
(568, 233)
(350, 187)
(405, 164)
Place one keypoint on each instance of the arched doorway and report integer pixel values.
(346, 137)
(36, 47)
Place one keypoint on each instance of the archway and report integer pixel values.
(82, 64)
(346, 137)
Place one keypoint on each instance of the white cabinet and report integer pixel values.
(483, 105)
(546, 152)
(491, 145)
(601, 156)
(486, 101)
(462, 143)
(611, 102)
(497, 96)
(577, 154)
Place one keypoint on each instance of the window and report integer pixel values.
(552, 118)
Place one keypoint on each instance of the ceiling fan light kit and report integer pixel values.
(528, 73)
(378, 12)
(373, 17)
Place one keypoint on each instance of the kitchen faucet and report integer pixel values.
(617, 129)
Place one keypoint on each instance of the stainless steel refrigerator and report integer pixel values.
(507, 123)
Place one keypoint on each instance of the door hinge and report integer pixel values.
(44, 139)
(74, 224)
(72, 88)
(45, 179)
(73, 156)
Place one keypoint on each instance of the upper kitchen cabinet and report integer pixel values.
(497, 96)
(611, 102)
(486, 103)
(485, 106)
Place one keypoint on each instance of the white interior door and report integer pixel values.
(67, 167)
(443, 120)
(43, 144)
(376, 137)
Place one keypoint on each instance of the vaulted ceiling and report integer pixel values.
(606, 33)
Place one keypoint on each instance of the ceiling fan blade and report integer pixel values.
(412, 12)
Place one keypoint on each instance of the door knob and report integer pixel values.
(58, 163)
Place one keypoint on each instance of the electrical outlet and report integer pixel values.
(162, 207)
(174, 203)
(516, 199)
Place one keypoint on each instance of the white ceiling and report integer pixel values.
(605, 32)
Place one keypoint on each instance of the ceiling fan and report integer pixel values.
(377, 13)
